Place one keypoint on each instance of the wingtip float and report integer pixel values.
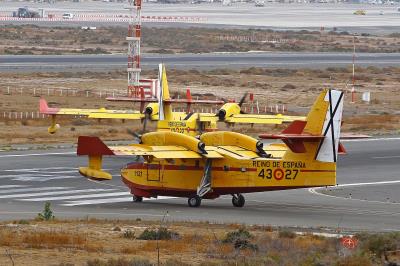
(226, 163)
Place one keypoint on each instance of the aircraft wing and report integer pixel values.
(262, 119)
(132, 99)
(95, 147)
(117, 114)
(208, 117)
(90, 113)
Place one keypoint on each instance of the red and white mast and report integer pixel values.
(354, 65)
(133, 38)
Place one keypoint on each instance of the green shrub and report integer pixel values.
(241, 233)
(161, 234)
(46, 214)
(240, 239)
(378, 244)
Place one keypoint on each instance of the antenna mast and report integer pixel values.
(133, 38)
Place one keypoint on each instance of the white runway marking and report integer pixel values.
(112, 200)
(16, 190)
(386, 157)
(36, 154)
(41, 178)
(11, 186)
(98, 201)
(38, 177)
(370, 139)
(315, 192)
(40, 194)
(368, 183)
(86, 196)
(37, 169)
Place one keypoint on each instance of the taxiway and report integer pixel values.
(367, 198)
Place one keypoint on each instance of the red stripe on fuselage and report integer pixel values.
(186, 167)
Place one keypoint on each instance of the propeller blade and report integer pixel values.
(243, 99)
(134, 134)
(146, 117)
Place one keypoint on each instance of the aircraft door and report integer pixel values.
(154, 171)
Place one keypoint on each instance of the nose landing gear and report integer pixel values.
(137, 198)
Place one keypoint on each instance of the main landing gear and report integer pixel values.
(137, 198)
(238, 200)
(194, 201)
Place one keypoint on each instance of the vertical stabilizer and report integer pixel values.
(165, 109)
(325, 119)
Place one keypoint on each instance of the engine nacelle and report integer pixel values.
(228, 110)
(227, 138)
(172, 138)
(151, 109)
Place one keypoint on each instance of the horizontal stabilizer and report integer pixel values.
(341, 149)
(92, 146)
(294, 137)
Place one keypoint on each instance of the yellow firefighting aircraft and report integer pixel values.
(222, 163)
(159, 109)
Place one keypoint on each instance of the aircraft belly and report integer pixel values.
(182, 179)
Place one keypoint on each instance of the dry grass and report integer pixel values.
(75, 242)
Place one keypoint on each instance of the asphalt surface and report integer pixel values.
(46, 63)
(278, 15)
(367, 198)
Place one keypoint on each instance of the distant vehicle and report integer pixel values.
(24, 12)
(360, 12)
(226, 2)
(259, 3)
(68, 16)
(381, 13)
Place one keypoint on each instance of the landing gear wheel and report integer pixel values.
(137, 198)
(194, 201)
(238, 200)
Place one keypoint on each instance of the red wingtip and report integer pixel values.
(92, 146)
(188, 95)
(43, 107)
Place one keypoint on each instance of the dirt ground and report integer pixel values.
(116, 242)
(69, 40)
(272, 88)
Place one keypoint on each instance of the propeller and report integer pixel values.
(242, 100)
(138, 134)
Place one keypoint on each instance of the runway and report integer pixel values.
(76, 63)
(367, 198)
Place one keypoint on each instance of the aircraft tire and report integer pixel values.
(194, 201)
(238, 200)
(137, 198)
